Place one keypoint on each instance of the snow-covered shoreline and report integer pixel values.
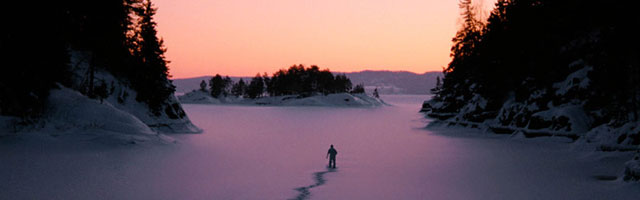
(559, 110)
(330, 100)
(72, 116)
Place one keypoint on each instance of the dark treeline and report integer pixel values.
(307, 81)
(39, 36)
(297, 80)
(527, 45)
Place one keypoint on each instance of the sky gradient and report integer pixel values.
(245, 37)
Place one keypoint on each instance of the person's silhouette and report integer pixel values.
(332, 156)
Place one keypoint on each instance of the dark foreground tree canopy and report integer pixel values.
(541, 54)
(297, 80)
(39, 37)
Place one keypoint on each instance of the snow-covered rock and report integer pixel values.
(426, 107)
(632, 169)
(330, 100)
(608, 137)
(568, 118)
(574, 81)
(171, 119)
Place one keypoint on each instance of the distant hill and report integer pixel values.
(387, 82)
(395, 82)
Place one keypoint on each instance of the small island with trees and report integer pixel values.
(296, 86)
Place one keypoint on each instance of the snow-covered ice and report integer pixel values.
(254, 152)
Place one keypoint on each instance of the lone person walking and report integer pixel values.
(332, 156)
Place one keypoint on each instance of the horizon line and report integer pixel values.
(336, 72)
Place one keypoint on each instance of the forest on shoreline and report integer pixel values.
(296, 80)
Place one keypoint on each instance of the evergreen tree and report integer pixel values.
(341, 84)
(203, 86)
(226, 87)
(151, 80)
(462, 71)
(358, 89)
(256, 87)
(468, 36)
(217, 85)
(325, 82)
(238, 89)
(438, 86)
(267, 81)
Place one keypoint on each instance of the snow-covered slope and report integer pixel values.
(331, 100)
(69, 109)
(70, 113)
(170, 119)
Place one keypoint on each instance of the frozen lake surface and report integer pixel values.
(252, 152)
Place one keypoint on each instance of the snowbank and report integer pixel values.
(331, 100)
(568, 118)
(577, 80)
(69, 114)
(69, 109)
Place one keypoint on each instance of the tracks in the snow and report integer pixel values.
(318, 177)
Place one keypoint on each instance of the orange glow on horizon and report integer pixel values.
(245, 37)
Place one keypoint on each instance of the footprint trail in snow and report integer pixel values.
(318, 177)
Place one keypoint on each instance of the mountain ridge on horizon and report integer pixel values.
(361, 71)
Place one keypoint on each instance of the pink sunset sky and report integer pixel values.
(245, 37)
